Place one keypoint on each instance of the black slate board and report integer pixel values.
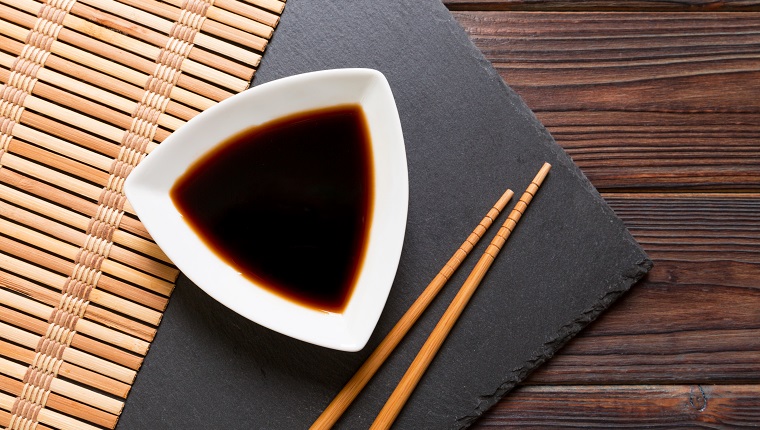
(468, 137)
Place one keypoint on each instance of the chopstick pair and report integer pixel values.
(409, 381)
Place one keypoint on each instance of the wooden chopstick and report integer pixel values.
(409, 381)
(341, 402)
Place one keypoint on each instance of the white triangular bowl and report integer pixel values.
(148, 190)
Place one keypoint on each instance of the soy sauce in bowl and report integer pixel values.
(288, 204)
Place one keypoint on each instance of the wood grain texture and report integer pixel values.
(695, 318)
(641, 101)
(662, 113)
(606, 5)
(671, 406)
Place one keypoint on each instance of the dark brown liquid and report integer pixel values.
(288, 204)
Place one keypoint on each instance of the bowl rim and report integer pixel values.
(146, 189)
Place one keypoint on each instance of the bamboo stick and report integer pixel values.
(17, 285)
(80, 56)
(250, 12)
(45, 191)
(62, 147)
(68, 370)
(64, 405)
(220, 77)
(131, 90)
(126, 307)
(107, 108)
(51, 418)
(5, 421)
(275, 6)
(47, 174)
(50, 142)
(220, 18)
(160, 17)
(118, 252)
(92, 116)
(52, 176)
(106, 317)
(185, 113)
(139, 244)
(189, 87)
(48, 277)
(70, 237)
(121, 120)
(152, 267)
(80, 222)
(62, 114)
(409, 381)
(196, 100)
(70, 354)
(65, 199)
(98, 315)
(159, 10)
(155, 38)
(142, 279)
(85, 344)
(254, 13)
(230, 33)
(82, 88)
(39, 223)
(83, 326)
(189, 90)
(66, 388)
(132, 294)
(75, 237)
(61, 265)
(68, 133)
(239, 21)
(340, 403)
(50, 159)
(114, 54)
(245, 18)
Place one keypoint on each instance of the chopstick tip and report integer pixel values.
(506, 197)
(541, 175)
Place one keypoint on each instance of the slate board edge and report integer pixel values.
(564, 334)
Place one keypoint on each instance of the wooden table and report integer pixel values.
(659, 103)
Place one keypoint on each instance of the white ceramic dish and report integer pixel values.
(149, 185)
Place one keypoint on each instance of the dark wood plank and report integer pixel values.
(722, 228)
(696, 317)
(666, 340)
(661, 150)
(681, 406)
(657, 103)
(606, 5)
(641, 101)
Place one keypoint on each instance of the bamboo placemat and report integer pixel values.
(90, 87)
